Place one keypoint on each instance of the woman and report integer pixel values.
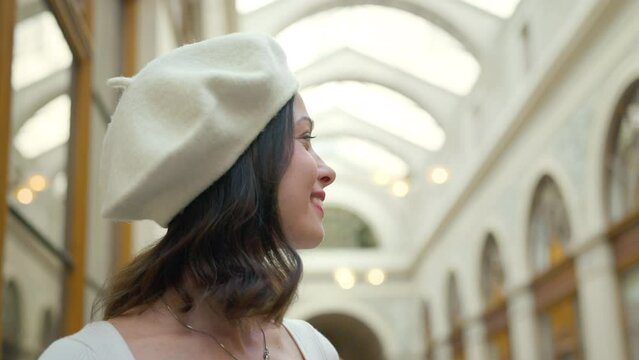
(213, 142)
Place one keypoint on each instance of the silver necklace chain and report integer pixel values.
(266, 355)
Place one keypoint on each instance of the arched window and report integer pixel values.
(455, 318)
(440, 59)
(11, 322)
(549, 229)
(454, 303)
(622, 181)
(492, 288)
(343, 229)
(492, 274)
(555, 287)
(428, 332)
(622, 163)
(376, 105)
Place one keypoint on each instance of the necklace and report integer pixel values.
(266, 355)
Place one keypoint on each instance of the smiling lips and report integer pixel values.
(317, 198)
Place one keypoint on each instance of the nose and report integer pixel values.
(325, 174)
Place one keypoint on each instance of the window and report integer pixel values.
(454, 303)
(623, 157)
(549, 227)
(439, 59)
(377, 106)
(492, 274)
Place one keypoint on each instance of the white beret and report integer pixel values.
(185, 119)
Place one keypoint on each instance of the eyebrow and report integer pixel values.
(310, 121)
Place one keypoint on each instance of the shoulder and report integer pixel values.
(313, 344)
(96, 341)
(68, 348)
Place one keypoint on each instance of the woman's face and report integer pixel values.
(300, 193)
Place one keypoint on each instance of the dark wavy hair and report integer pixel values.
(228, 242)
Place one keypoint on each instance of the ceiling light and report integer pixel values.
(345, 278)
(37, 183)
(400, 188)
(24, 196)
(439, 175)
(376, 277)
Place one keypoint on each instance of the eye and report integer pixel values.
(307, 137)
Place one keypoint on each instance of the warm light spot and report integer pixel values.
(376, 277)
(439, 175)
(381, 178)
(345, 278)
(37, 183)
(24, 196)
(400, 188)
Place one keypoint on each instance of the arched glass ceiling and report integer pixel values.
(347, 153)
(379, 106)
(501, 8)
(395, 37)
(36, 38)
(47, 129)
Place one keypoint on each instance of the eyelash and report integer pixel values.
(307, 137)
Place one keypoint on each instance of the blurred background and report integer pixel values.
(487, 199)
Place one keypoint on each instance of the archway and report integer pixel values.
(352, 338)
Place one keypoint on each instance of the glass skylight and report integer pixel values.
(379, 106)
(39, 50)
(246, 6)
(501, 8)
(359, 155)
(46, 130)
(395, 37)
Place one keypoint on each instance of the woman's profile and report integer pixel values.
(213, 142)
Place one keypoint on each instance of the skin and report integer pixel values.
(300, 193)
(156, 335)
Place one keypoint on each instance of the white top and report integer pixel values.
(101, 341)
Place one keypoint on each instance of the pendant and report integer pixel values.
(266, 355)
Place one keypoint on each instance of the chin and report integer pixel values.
(308, 242)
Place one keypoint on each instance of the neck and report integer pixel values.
(206, 317)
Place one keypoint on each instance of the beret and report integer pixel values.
(185, 119)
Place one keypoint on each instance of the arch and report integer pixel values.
(551, 168)
(492, 273)
(609, 94)
(621, 169)
(12, 321)
(378, 106)
(28, 100)
(452, 16)
(47, 128)
(352, 338)
(401, 39)
(454, 310)
(549, 228)
(344, 228)
(349, 65)
(337, 123)
(371, 209)
(428, 331)
(354, 309)
(366, 140)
